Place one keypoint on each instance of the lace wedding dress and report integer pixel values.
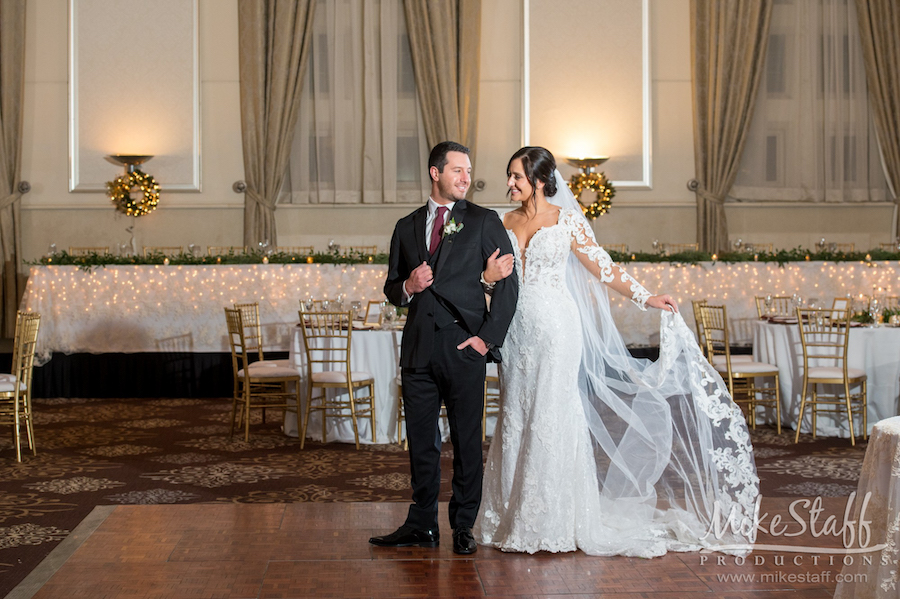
(596, 450)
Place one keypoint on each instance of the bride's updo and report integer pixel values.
(539, 165)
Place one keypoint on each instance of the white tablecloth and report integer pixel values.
(128, 309)
(879, 483)
(875, 350)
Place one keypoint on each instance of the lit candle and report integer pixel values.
(715, 257)
(370, 259)
(265, 259)
(166, 261)
(309, 259)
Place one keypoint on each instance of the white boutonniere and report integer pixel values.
(451, 228)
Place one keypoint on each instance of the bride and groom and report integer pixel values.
(593, 449)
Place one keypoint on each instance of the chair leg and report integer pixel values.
(371, 387)
(849, 407)
(865, 411)
(305, 416)
(353, 414)
(247, 415)
(802, 409)
(777, 404)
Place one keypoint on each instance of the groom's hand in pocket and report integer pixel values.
(475, 343)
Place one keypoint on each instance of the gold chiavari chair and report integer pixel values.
(701, 337)
(15, 387)
(825, 338)
(224, 250)
(253, 336)
(616, 247)
(676, 248)
(169, 251)
(87, 251)
(327, 338)
(740, 376)
(891, 302)
(300, 250)
(782, 305)
(889, 247)
(759, 248)
(257, 385)
(847, 248)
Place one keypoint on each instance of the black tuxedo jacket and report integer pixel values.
(456, 294)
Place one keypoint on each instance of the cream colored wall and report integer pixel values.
(214, 216)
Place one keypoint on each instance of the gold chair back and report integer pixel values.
(847, 248)
(675, 248)
(87, 251)
(169, 251)
(360, 249)
(782, 305)
(252, 329)
(825, 339)
(698, 323)
(300, 250)
(15, 390)
(889, 247)
(224, 250)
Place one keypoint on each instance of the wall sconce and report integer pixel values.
(587, 178)
(120, 189)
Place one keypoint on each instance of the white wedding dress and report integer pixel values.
(632, 462)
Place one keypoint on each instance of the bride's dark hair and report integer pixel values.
(539, 165)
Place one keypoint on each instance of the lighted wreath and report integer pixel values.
(596, 182)
(121, 188)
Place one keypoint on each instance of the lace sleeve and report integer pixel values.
(599, 263)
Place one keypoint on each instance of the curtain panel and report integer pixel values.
(812, 138)
(879, 29)
(359, 137)
(274, 38)
(445, 39)
(12, 86)
(728, 46)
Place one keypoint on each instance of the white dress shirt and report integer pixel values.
(429, 225)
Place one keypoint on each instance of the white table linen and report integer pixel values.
(875, 350)
(879, 482)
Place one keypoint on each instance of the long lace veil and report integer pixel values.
(673, 450)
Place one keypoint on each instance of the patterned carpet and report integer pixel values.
(139, 451)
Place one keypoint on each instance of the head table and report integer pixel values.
(168, 308)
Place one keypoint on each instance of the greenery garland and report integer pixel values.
(119, 191)
(781, 257)
(596, 182)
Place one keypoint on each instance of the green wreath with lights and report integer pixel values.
(596, 182)
(120, 190)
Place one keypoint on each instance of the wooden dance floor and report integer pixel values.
(304, 550)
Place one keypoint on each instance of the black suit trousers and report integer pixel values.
(455, 377)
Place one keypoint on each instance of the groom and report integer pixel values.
(437, 261)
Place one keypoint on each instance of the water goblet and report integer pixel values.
(388, 315)
(769, 301)
(356, 306)
(309, 304)
(52, 249)
(339, 301)
(325, 305)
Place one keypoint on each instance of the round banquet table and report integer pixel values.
(873, 349)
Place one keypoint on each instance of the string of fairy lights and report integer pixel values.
(149, 302)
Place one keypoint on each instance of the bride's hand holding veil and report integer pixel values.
(663, 302)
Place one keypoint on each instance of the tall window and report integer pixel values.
(359, 135)
(812, 139)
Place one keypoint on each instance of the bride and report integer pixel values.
(593, 449)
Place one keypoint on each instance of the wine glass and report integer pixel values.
(52, 250)
(325, 305)
(339, 302)
(388, 315)
(769, 301)
(356, 306)
(309, 304)
(875, 308)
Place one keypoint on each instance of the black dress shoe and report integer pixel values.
(463, 541)
(407, 536)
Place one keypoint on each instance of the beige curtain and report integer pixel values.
(12, 85)
(879, 30)
(728, 45)
(445, 39)
(274, 38)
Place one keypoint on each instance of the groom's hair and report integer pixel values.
(438, 157)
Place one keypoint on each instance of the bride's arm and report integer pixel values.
(598, 262)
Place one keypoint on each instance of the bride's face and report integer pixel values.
(520, 189)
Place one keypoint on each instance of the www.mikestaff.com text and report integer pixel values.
(793, 577)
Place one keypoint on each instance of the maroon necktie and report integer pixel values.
(437, 229)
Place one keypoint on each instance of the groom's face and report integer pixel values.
(452, 184)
